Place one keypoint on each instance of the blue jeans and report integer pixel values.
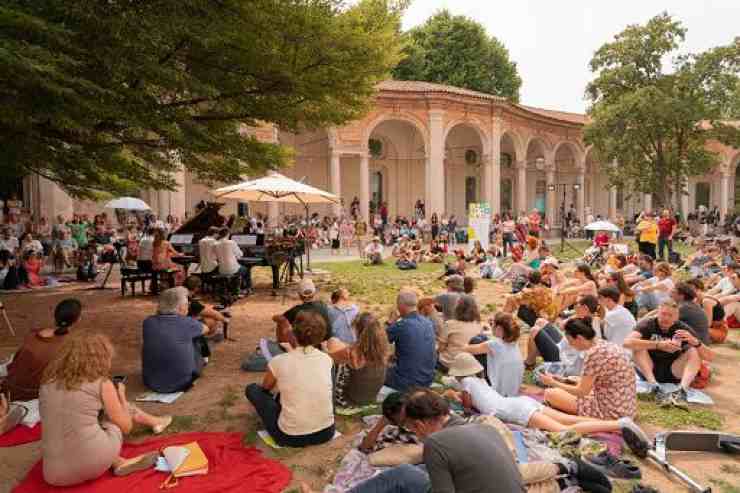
(400, 479)
(662, 244)
(647, 301)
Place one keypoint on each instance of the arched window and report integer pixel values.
(702, 195)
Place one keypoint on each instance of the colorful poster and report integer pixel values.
(479, 224)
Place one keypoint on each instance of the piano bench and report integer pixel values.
(161, 275)
(132, 275)
(206, 280)
(226, 287)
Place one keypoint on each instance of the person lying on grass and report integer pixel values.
(477, 395)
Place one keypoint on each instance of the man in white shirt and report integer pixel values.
(725, 286)
(227, 255)
(374, 252)
(618, 321)
(207, 251)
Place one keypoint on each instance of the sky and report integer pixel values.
(552, 41)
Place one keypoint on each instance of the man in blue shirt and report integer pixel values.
(173, 345)
(416, 353)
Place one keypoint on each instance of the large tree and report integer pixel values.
(656, 122)
(108, 96)
(456, 50)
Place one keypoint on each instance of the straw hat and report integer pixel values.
(464, 365)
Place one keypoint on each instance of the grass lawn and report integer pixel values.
(379, 284)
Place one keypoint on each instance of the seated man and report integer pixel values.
(284, 321)
(416, 353)
(227, 255)
(640, 272)
(690, 313)
(374, 252)
(38, 349)
(447, 302)
(172, 351)
(666, 350)
(207, 251)
(200, 311)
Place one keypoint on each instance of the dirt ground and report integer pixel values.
(217, 402)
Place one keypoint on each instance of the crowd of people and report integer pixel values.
(591, 331)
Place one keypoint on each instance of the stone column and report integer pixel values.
(335, 180)
(613, 198)
(163, 204)
(521, 187)
(724, 194)
(436, 202)
(54, 201)
(365, 187)
(495, 164)
(581, 194)
(551, 202)
(647, 202)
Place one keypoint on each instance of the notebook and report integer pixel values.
(186, 460)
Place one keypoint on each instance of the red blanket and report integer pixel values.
(232, 468)
(21, 434)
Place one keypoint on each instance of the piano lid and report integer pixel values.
(198, 225)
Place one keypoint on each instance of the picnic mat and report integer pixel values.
(20, 435)
(232, 468)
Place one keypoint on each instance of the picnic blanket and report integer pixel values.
(693, 396)
(232, 468)
(21, 435)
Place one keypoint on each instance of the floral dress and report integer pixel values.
(614, 394)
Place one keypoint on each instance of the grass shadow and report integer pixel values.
(673, 418)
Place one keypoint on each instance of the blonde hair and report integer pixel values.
(81, 359)
(372, 341)
(663, 267)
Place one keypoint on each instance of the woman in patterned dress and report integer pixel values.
(606, 388)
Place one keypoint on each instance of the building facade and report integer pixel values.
(449, 147)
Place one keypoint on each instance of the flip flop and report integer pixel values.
(136, 464)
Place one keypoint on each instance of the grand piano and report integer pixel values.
(283, 255)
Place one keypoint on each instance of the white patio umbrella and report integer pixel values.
(603, 226)
(128, 203)
(278, 188)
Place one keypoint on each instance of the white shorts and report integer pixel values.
(517, 410)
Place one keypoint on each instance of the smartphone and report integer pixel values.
(119, 379)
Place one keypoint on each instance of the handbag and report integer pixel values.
(184, 460)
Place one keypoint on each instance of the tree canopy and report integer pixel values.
(656, 122)
(456, 50)
(108, 96)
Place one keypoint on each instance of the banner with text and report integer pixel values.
(479, 224)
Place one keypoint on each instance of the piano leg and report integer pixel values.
(275, 277)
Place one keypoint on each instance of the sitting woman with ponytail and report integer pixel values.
(38, 349)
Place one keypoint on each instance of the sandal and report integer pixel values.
(15, 416)
(136, 464)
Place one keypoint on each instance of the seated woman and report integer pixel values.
(457, 333)
(38, 349)
(627, 298)
(76, 445)
(342, 313)
(505, 368)
(33, 263)
(606, 388)
(304, 415)
(526, 411)
(406, 261)
(63, 251)
(654, 291)
(362, 365)
(162, 253)
(532, 253)
(30, 245)
(477, 254)
(582, 283)
(534, 301)
(458, 266)
(518, 267)
(714, 311)
(436, 253)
